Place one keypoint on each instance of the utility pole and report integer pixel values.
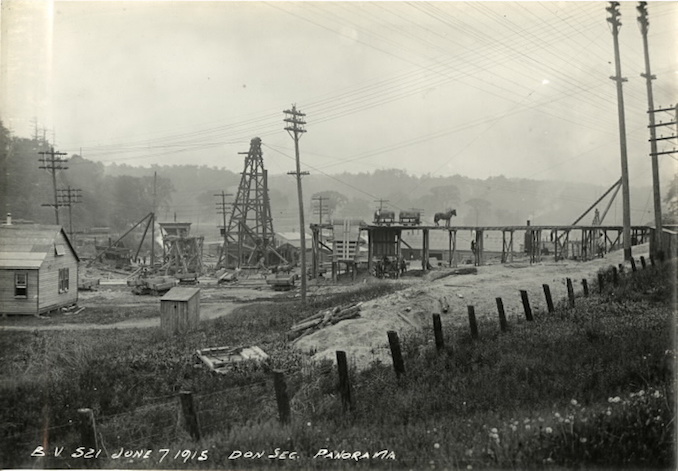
(295, 130)
(320, 200)
(52, 162)
(221, 209)
(644, 23)
(155, 181)
(613, 10)
(69, 197)
(381, 203)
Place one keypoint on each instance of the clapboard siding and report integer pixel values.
(50, 298)
(32, 249)
(11, 305)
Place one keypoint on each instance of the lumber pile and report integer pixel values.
(88, 284)
(322, 319)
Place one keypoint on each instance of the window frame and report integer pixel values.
(19, 287)
(64, 280)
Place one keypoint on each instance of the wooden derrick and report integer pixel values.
(183, 253)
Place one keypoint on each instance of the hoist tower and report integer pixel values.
(250, 239)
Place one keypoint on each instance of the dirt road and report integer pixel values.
(208, 310)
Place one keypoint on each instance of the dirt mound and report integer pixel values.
(365, 339)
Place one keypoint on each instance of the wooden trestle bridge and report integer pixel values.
(385, 240)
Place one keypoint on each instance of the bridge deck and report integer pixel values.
(500, 228)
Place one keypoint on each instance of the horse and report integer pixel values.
(447, 216)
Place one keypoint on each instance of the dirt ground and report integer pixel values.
(365, 339)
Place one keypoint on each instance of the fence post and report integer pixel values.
(585, 287)
(651, 259)
(615, 276)
(643, 263)
(88, 434)
(633, 264)
(502, 315)
(438, 332)
(526, 305)
(396, 354)
(281, 396)
(621, 268)
(190, 417)
(601, 283)
(472, 322)
(570, 292)
(549, 299)
(344, 383)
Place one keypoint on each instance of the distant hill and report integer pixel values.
(492, 201)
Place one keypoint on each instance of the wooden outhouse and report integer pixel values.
(38, 269)
(180, 310)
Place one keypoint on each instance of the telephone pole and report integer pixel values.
(69, 197)
(320, 200)
(613, 10)
(295, 129)
(644, 23)
(381, 203)
(221, 209)
(155, 181)
(52, 162)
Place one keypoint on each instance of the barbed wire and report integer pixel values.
(230, 389)
(39, 430)
(136, 410)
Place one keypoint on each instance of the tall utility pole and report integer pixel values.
(295, 129)
(155, 181)
(320, 200)
(52, 162)
(613, 10)
(69, 197)
(222, 209)
(644, 23)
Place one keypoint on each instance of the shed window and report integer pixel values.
(20, 285)
(63, 280)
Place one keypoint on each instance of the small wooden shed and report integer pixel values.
(180, 310)
(38, 269)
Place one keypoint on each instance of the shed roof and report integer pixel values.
(25, 246)
(293, 239)
(180, 294)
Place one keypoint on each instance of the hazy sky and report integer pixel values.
(474, 88)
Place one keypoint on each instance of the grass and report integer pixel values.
(589, 386)
(106, 314)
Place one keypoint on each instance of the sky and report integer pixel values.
(472, 88)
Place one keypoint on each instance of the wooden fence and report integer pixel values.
(196, 415)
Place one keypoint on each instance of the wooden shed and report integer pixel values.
(180, 310)
(38, 269)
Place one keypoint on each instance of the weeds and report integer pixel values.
(589, 386)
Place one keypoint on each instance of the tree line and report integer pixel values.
(119, 195)
(113, 201)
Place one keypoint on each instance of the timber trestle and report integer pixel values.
(385, 241)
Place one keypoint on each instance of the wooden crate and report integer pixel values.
(224, 359)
